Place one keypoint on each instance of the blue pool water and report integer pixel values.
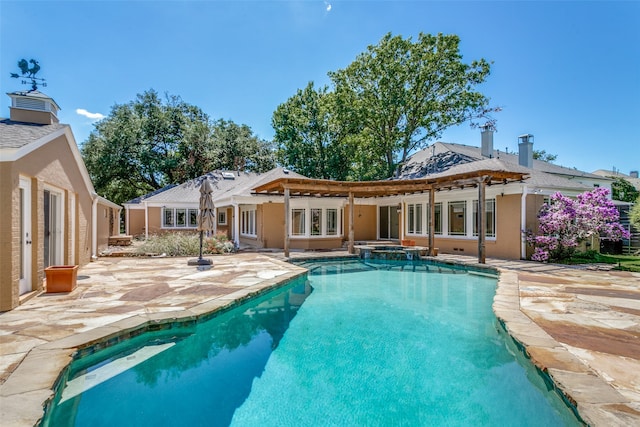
(377, 344)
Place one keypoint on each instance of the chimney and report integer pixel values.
(33, 107)
(525, 150)
(633, 174)
(487, 140)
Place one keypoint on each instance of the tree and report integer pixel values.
(404, 94)
(564, 223)
(310, 140)
(623, 190)
(634, 216)
(544, 156)
(150, 142)
(235, 147)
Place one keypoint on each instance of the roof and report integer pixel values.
(225, 184)
(15, 135)
(139, 199)
(442, 156)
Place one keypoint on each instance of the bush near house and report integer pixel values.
(565, 223)
(185, 244)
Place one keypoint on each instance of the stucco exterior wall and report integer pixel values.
(135, 222)
(271, 222)
(51, 167)
(364, 224)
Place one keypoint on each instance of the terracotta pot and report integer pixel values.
(61, 278)
(408, 242)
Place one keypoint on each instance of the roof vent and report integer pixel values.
(228, 175)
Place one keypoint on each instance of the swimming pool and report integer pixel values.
(357, 344)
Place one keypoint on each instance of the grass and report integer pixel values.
(624, 262)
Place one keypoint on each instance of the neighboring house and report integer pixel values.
(632, 178)
(51, 214)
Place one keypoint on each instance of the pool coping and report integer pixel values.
(26, 395)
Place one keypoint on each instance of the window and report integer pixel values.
(490, 219)
(437, 217)
(298, 225)
(316, 222)
(332, 222)
(248, 222)
(179, 218)
(414, 218)
(193, 218)
(457, 218)
(410, 219)
(167, 217)
(222, 217)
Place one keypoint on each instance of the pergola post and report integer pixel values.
(351, 233)
(286, 222)
(482, 212)
(432, 222)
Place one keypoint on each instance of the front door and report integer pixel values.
(388, 222)
(25, 236)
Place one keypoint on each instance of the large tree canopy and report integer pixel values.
(310, 141)
(405, 94)
(150, 142)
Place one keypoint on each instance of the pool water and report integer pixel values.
(358, 344)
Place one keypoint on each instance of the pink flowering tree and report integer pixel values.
(565, 223)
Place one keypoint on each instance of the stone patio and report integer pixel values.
(582, 327)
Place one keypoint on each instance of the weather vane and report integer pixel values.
(29, 73)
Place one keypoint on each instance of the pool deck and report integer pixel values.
(580, 326)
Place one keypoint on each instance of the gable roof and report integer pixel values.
(17, 139)
(225, 184)
(15, 136)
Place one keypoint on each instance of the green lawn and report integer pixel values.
(624, 262)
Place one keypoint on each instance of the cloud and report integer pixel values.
(92, 116)
(328, 6)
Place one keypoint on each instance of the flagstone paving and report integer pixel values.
(580, 326)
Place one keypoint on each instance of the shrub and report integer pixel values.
(171, 244)
(219, 244)
(565, 223)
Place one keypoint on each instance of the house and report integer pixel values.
(51, 214)
(433, 202)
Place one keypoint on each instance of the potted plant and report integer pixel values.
(61, 278)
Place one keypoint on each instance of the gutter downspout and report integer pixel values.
(236, 224)
(146, 222)
(94, 226)
(523, 223)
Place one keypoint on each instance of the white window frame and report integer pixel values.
(222, 217)
(248, 225)
(416, 219)
(307, 208)
(452, 206)
(174, 211)
(474, 218)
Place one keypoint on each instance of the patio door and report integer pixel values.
(53, 229)
(388, 222)
(25, 236)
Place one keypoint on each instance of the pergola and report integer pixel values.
(478, 178)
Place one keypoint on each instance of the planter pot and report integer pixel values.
(61, 278)
(408, 242)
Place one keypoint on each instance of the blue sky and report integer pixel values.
(567, 72)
